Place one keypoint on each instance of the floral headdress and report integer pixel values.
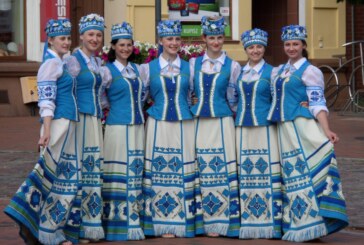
(293, 32)
(254, 36)
(59, 27)
(212, 26)
(123, 30)
(91, 22)
(167, 28)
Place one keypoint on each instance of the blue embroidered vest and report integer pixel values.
(254, 100)
(65, 100)
(210, 90)
(288, 94)
(170, 97)
(88, 89)
(124, 95)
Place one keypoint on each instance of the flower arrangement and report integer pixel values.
(145, 52)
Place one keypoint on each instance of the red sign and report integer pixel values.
(52, 9)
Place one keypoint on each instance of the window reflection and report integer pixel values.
(11, 28)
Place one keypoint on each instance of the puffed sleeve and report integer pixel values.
(232, 91)
(47, 77)
(106, 82)
(314, 81)
(73, 66)
(191, 89)
(144, 75)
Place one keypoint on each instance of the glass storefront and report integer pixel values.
(190, 12)
(11, 29)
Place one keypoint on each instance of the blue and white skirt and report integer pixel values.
(122, 182)
(169, 178)
(217, 169)
(259, 182)
(313, 201)
(46, 202)
(90, 152)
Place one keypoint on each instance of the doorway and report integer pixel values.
(81, 8)
(271, 16)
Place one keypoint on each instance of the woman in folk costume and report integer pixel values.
(313, 202)
(89, 132)
(124, 140)
(257, 145)
(169, 177)
(214, 78)
(43, 204)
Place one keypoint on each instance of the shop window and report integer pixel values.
(12, 31)
(190, 12)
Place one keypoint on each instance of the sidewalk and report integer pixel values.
(18, 153)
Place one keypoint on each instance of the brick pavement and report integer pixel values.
(18, 153)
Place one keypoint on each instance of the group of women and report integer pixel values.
(225, 151)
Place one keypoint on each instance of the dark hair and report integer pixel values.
(111, 55)
(304, 51)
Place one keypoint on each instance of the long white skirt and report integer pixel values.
(313, 202)
(122, 181)
(90, 152)
(45, 202)
(259, 182)
(216, 157)
(169, 178)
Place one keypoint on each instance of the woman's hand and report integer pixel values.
(194, 100)
(324, 122)
(46, 135)
(332, 136)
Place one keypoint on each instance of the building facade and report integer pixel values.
(22, 39)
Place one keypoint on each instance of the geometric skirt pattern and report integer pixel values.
(46, 202)
(313, 201)
(122, 182)
(169, 178)
(217, 182)
(259, 182)
(89, 148)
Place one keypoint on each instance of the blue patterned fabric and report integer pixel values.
(91, 22)
(60, 27)
(213, 25)
(121, 31)
(211, 91)
(124, 96)
(169, 179)
(293, 32)
(254, 36)
(88, 89)
(254, 100)
(313, 202)
(169, 95)
(47, 202)
(122, 182)
(167, 28)
(289, 97)
(90, 160)
(217, 177)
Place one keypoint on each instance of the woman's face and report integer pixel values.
(123, 49)
(293, 49)
(171, 45)
(214, 43)
(255, 53)
(60, 44)
(92, 40)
